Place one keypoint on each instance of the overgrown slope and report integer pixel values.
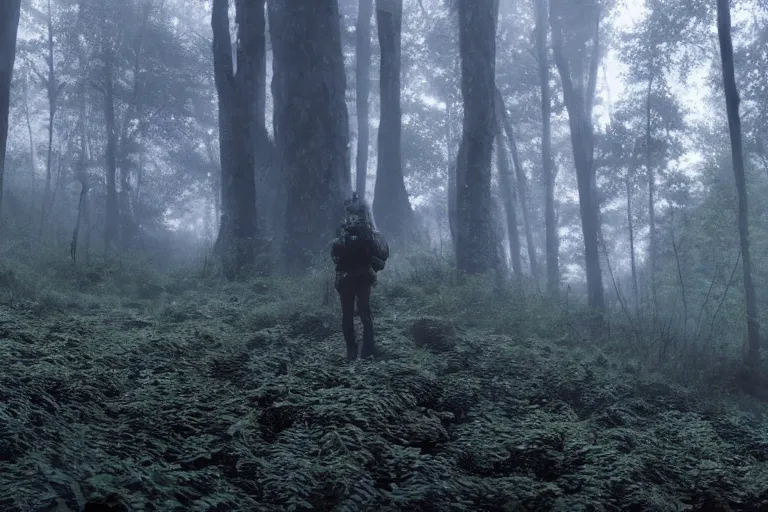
(196, 395)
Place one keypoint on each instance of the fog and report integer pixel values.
(567, 203)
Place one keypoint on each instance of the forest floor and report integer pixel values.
(190, 394)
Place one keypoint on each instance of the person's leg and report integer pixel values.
(366, 317)
(347, 296)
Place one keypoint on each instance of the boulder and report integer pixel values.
(435, 334)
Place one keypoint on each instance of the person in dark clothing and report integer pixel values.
(358, 252)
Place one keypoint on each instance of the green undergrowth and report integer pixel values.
(184, 394)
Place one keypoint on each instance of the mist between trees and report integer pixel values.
(490, 132)
(597, 147)
(553, 177)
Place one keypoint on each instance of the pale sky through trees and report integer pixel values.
(692, 91)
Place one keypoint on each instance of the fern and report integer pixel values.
(236, 396)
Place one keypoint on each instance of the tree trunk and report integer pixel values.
(61, 164)
(391, 206)
(33, 166)
(81, 171)
(550, 222)
(311, 124)
(522, 187)
(363, 84)
(652, 250)
(278, 181)
(451, 186)
(630, 225)
(82, 165)
(213, 174)
(9, 24)
(238, 95)
(53, 91)
(578, 102)
(452, 161)
(128, 223)
(734, 127)
(510, 206)
(268, 178)
(475, 244)
(80, 208)
(507, 182)
(112, 209)
(214, 182)
(140, 167)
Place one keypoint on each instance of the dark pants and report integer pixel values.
(363, 294)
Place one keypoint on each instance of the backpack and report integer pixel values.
(363, 245)
(379, 250)
(358, 242)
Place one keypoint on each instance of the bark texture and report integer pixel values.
(363, 85)
(9, 24)
(631, 227)
(311, 124)
(53, 88)
(521, 185)
(391, 206)
(578, 94)
(652, 249)
(548, 174)
(734, 127)
(476, 245)
(239, 98)
(507, 183)
(112, 208)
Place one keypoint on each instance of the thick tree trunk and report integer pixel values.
(268, 178)
(277, 182)
(475, 242)
(578, 102)
(238, 95)
(311, 123)
(550, 221)
(9, 24)
(734, 126)
(391, 206)
(363, 84)
(521, 185)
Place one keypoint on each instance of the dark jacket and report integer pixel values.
(351, 269)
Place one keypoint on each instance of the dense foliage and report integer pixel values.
(187, 394)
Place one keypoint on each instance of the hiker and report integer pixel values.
(358, 252)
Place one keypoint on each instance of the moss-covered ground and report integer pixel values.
(188, 394)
